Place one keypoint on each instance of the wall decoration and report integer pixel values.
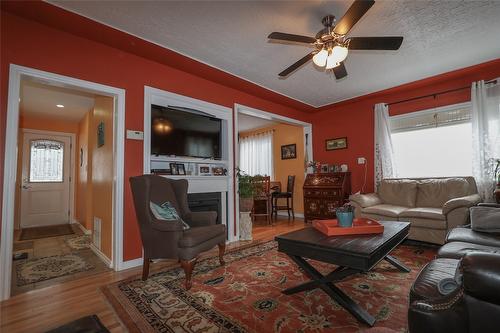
(100, 134)
(289, 151)
(337, 143)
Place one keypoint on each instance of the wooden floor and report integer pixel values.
(44, 309)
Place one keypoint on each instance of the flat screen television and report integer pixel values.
(184, 132)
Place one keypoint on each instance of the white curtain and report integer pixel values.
(385, 166)
(485, 120)
(256, 154)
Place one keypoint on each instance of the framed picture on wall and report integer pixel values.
(337, 143)
(289, 151)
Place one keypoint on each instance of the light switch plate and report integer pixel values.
(361, 160)
(135, 135)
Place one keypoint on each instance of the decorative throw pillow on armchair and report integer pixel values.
(166, 212)
(485, 219)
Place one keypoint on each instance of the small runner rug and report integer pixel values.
(47, 231)
(245, 296)
(46, 268)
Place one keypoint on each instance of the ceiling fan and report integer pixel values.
(332, 45)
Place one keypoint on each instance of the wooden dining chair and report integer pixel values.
(262, 198)
(288, 195)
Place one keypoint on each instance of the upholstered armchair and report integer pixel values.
(169, 239)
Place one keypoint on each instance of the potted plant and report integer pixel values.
(246, 190)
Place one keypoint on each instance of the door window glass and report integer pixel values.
(46, 161)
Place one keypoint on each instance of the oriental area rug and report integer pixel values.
(245, 296)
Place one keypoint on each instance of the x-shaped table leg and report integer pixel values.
(326, 284)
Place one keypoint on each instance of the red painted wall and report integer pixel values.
(354, 118)
(27, 43)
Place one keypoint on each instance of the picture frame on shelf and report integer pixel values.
(173, 169)
(181, 169)
(204, 170)
(218, 171)
(324, 168)
(336, 143)
(289, 152)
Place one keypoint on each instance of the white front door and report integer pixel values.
(45, 194)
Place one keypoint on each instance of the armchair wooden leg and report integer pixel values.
(222, 250)
(145, 269)
(188, 266)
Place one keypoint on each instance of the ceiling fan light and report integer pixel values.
(339, 52)
(320, 58)
(331, 62)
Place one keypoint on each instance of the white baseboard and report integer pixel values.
(101, 255)
(130, 264)
(286, 214)
(82, 228)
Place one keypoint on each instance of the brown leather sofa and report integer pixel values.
(433, 206)
(471, 259)
(168, 239)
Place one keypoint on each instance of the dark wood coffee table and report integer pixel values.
(352, 255)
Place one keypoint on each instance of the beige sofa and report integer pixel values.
(432, 205)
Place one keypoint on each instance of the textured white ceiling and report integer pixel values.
(248, 123)
(439, 36)
(40, 100)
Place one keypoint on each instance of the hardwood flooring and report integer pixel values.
(44, 309)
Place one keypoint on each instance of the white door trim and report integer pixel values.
(72, 137)
(10, 163)
(239, 108)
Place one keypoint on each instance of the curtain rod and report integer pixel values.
(436, 94)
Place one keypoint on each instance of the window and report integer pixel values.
(256, 154)
(46, 161)
(433, 143)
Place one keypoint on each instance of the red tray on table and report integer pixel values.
(360, 226)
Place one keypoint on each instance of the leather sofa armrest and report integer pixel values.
(200, 219)
(166, 226)
(365, 200)
(467, 201)
(481, 276)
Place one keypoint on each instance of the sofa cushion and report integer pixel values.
(435, 192)
(468, 235)
(198, 235)
(398, 192)
(424, 212)
(385, 210)
(456, 250)
(485, 219)
(425, 223)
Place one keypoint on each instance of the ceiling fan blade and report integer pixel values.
(296, 65)
(375, 43)
(340, 71)
(352, 16)
(291, 37)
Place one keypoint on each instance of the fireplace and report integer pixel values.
(202, 202)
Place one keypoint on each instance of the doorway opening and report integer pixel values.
(275, 149)
(63, 181)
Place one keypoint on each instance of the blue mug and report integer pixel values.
(345, 218)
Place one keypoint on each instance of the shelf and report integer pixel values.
(196, 177)
(186, 160)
